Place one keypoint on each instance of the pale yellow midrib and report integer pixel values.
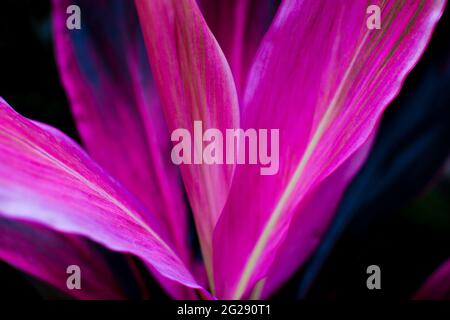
(40, 152)
(262, 240)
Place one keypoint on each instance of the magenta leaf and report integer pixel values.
(46, 178)
(238, 26)
(195, 84)
(437, 286)
(46, 254)
(106, 75)
(323, 79)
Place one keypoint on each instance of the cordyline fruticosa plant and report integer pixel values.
(310, 68)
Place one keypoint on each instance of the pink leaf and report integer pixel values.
(323, 79)
(47, 179)
(109, 83)
(195, 83)
(437, 286)
(238, 26)
(46, 254)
